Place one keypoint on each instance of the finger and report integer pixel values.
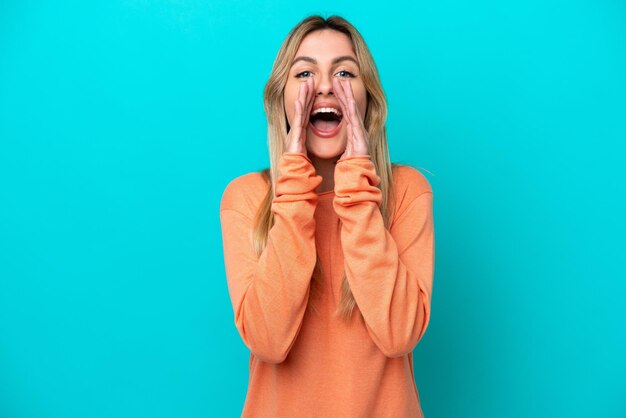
(310, 100)
(350, 141)
(350, 133)
(355, 115)
(298, 104)
(303, 98)
(349, 127)
(347, 87)
(338, 91)
(350, 100)
(297, 122)
(302, 93)
(357, 127)
(362, 128)
(342, 99)
(347, 90)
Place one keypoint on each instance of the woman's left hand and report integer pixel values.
(358, 138)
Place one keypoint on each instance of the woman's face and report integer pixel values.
(322, 55)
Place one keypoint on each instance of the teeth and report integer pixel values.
(326, 110)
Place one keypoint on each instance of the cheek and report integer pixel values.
(362, 103)
(360, 95)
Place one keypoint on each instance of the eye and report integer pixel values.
(349, 74)
(303, 72)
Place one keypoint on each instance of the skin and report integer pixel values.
(338, 83)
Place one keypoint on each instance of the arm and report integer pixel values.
(269, 293)
(390, 272)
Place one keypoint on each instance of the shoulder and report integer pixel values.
(245, 193)
(409, 182)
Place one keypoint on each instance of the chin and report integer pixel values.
(324, 156)
(326, 148)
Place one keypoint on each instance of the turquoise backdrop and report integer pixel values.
(121, 122)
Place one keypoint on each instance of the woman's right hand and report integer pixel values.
(296, 138)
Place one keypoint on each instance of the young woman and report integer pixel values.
(329, 253)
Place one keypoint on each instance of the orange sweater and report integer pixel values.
(308, 364)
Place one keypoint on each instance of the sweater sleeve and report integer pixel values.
(390, 272)
(269, 293)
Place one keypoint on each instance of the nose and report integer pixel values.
(325, 85)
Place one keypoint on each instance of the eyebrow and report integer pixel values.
(335, 61)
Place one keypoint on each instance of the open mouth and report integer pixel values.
(325, 121)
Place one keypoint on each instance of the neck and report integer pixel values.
(325, 168)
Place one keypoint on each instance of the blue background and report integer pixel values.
(121, 122)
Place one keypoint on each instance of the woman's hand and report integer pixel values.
(296, 138)
(358, 138)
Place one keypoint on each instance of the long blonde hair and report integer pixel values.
(375, 118)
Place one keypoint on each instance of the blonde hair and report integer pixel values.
(374, 121)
